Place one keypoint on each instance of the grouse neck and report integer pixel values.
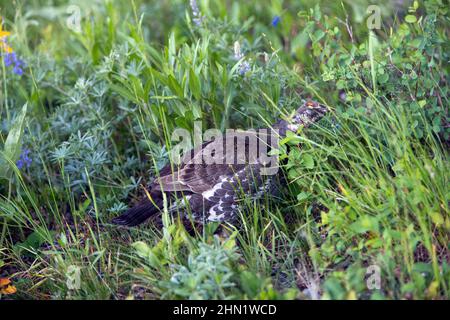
(282, 127)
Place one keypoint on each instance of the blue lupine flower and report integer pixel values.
(24, 159)
(11, 59)
(196, 12)
(244, 66)
(275, 21)
(18, 67)
(18, 70)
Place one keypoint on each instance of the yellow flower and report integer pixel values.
(4, 282)
(8, 290)
(6, 287)
(6, 48)
(4, 34)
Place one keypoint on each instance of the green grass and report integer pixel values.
(367, 190)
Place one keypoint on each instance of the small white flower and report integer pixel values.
(237, 51)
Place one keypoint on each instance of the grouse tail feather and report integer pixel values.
(137, 215)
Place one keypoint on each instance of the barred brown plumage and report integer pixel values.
(210, 191)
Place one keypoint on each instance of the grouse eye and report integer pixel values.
(310, 104)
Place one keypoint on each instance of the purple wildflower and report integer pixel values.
(18, 70)
(11, 59)
(18, 67)
(24, 159)
(275, 21)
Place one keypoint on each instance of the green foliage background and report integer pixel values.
(96, 108)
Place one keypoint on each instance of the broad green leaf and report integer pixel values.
(175, 86)
(364, 224)
(308, 161)
(410, 18)
(124, 92)
(291, 138)
(142, 249)
(303, 196)
(33, 242)
(231, 241)
(194, 84)
(13, 143)
(172, 50)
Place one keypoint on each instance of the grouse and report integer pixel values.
(212, 180)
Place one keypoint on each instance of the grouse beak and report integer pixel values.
(308, 113)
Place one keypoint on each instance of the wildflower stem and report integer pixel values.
(372, 61)
(2, 238)
(5, 90)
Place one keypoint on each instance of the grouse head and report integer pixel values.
(307, 114)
